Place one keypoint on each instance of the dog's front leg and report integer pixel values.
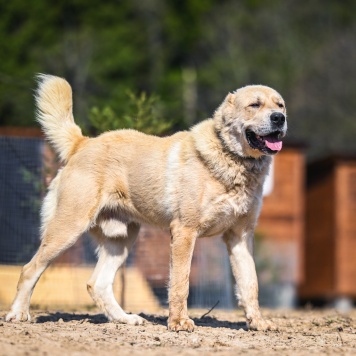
(182, 246)
(239, 243)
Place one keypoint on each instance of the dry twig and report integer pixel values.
(204, 315)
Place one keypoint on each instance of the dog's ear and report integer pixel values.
(230, 98)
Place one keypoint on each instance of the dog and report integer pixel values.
(200, 183)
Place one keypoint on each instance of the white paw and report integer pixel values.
(131, 319)
(134, 319)
(18, 315)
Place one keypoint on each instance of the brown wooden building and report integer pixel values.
(281, 223)
(330, 245)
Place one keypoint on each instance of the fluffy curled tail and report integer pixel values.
(54, 113)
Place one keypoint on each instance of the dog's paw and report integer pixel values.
(133, 319)
(181, 325)
(261, 324)
(20, 315)
(130, 319)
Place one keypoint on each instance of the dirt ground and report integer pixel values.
(300, 332)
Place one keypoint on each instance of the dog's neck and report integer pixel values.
(247, 160)
(226, 166)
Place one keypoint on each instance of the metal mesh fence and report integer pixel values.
(26, 166)
(20, 174)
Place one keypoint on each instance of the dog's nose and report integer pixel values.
(278, 119)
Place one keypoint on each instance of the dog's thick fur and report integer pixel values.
(203, 182)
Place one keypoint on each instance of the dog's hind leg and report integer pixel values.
(112, 254)
(61, 232)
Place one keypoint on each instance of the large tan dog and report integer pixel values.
(204, 182)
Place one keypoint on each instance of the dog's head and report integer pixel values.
(252, 121)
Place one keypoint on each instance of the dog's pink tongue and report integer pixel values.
(273, 143)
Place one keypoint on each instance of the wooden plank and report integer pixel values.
(319, 242)
(65, 286)
(345, 232)
(20, 131)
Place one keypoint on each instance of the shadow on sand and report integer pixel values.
(154, 319)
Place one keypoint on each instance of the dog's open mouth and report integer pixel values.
(269, 144)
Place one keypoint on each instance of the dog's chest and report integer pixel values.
(226, 210)
(235, 203)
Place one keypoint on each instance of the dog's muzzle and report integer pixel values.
(268, 144)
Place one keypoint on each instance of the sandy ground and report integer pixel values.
(220, 333)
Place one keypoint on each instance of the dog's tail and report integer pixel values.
(54, 113)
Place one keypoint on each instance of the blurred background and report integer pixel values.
(162, 66)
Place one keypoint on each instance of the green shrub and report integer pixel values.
(142, 113)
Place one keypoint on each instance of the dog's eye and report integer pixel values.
(255, 105)
(280, 105)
